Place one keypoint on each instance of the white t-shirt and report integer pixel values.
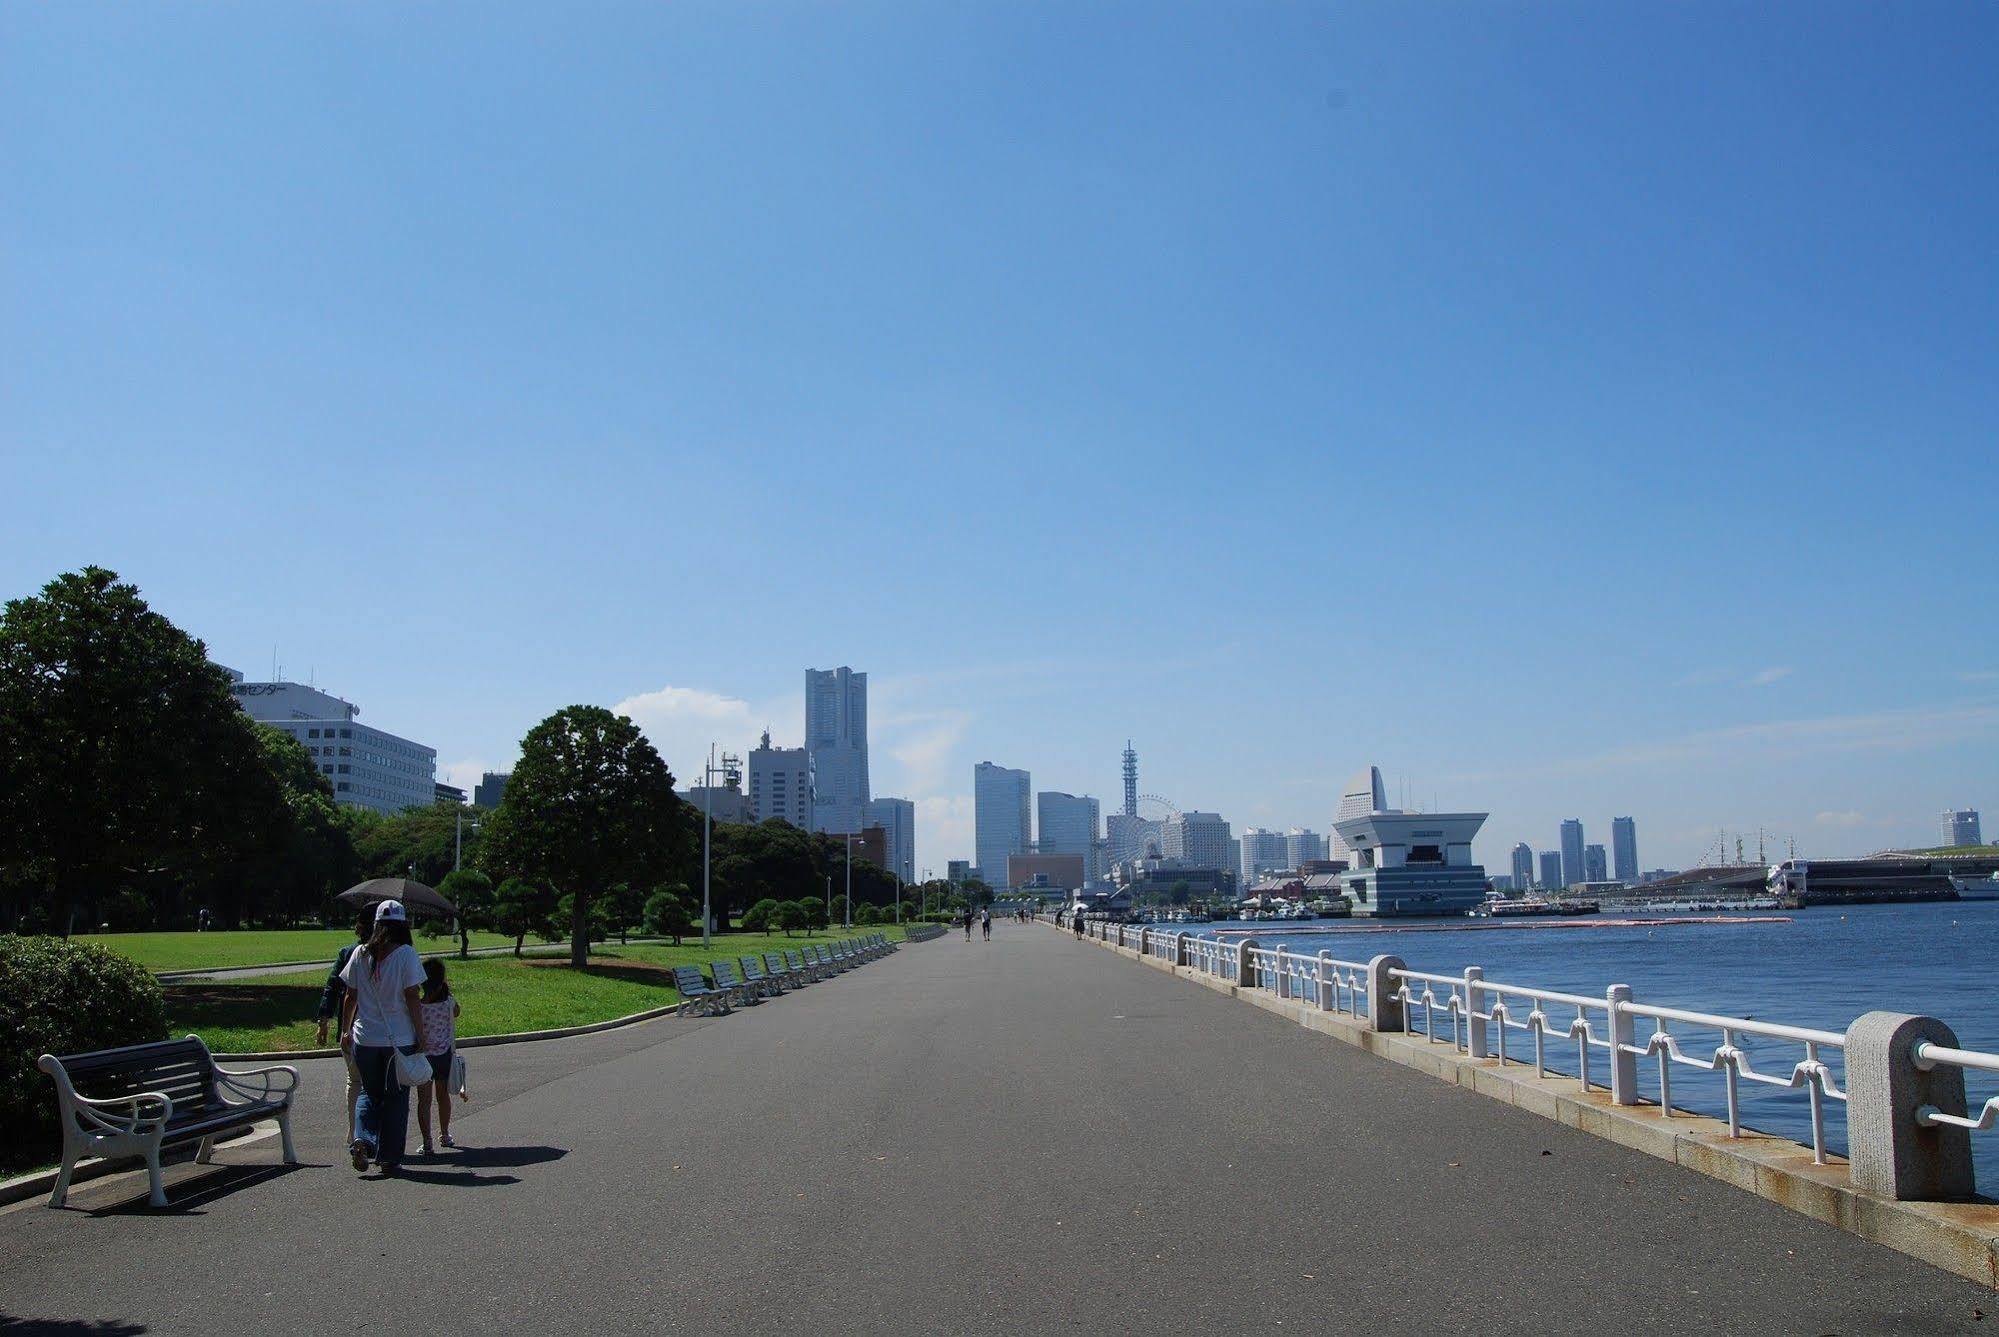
(381, 1017)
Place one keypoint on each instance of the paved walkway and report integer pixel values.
(1020, 1136)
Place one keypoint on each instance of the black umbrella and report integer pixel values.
(415, 896)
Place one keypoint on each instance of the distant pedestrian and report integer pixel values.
(968, 925)
(380, 1017)
(986, 924)
(330, 999)
(1076, 917)
(440, 1038)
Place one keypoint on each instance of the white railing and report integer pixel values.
(1929, 1056)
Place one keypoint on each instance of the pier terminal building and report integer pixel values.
(1412, 863)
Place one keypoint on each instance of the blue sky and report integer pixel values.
(1576, 410)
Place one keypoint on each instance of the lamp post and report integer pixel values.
(458, 838)
(707, 833)
(829, 898)
(847, 910)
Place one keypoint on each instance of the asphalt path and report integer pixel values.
(1015, 1136)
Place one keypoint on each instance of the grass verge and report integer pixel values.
(224, 949)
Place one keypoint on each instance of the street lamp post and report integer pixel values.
(707, 833)
(458, 838)
(847, 910)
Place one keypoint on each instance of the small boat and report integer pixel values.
(1977, 888)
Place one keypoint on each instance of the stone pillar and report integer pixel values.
(1325, 981)
(1623, 1066)
(1889, 1152)
(1475, 1042)
(1145, 941)
(1246, 974)
(1180, 948)
(1384, 1003)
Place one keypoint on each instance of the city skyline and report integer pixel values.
(1232, 270)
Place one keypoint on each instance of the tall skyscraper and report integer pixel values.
(1624, 850)
(1364, 794)
(1302, 844)
(1001, 818)
(1068, 824)
(1551, 870)
(1596, 868)
(1960, 827)
(836, 736)
(1572, 852)
(1262, 852)
(1200, 838)
(897, 819)
(781, 784)
(1523, 865)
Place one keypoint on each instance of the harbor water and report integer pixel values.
(1819, 967)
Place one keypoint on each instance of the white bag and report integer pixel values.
(457, 1082)
(412, 1070)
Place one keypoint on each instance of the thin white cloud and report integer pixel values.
(926, 746)
(1764, 677)
(1717, 676)
(1843, 820)
(681, 722)
(943, 831)
(466, 774)
(1978, 675)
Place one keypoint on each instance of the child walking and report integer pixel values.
(440, 1035)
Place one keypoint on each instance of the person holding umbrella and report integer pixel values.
(380, 1015)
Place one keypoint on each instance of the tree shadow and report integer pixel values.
(202, 1006)
(460, 1168)
(67, 1327)
(630, 972)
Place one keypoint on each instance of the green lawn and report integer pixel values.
(251, 947)
(498, 994)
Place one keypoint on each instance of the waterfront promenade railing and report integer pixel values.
(1907, 1129)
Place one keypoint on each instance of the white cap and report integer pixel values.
(391, 912)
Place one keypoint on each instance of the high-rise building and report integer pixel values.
(1572, 852)
(1523, 865)
(492, 787)
(897, 819)
(1551, 870)
(958, 871)
(1624, 850)
(1068, 824)
(1262, 852)
(1199, 839)
(1364, 794)
(836, 736)
(1302, 845)
(781, 784)
(1960, 827)
(1596, 868)
(367, 768)
(1001, 818)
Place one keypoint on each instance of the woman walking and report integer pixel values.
(440, 1036)
(380, 1016)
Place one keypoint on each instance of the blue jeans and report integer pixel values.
(382, 1116)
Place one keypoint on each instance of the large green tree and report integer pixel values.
(590, 804)
(423, 842)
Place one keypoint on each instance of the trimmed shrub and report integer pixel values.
(761, 917)
(61, 997)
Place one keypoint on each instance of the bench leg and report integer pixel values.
(205, 1153)
(285, 1136)
(158, 1196)
(61, 1194)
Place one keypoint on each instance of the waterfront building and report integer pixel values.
(1624, 849)
(1198, 839)
(1062, 872)
(1523, 865)
(1596, 867)
(1001, 816)
(1161, 879)
(492, 787)
(897, 817)
(1302, 845)
(367, 767)
(1413, 863)
(1572, 852)
(1960, 827)
(1262, 852)
(1551, 870)
(1068, 824)
(781, 784)
(444, 793)
(959, 871)
(836, 737)
(1364, 794)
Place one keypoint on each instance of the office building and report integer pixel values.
(781, 784)
(1960, 827)
(720, 803)
(1624, 849)
(1596, 868)
(1364, 794)
(836, 737)
(1262, 852)
(1572, 852)
(1001, 817)
(869, 843)
(959, 871)
(1551, 870)
(1302, 845)
(1056, 872)
(1068, 824)
(367, 767)
(1412, 863)
(1523, 865)
(492, 787)
(897, 817)
(1197, 839)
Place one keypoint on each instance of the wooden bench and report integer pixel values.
(727, 978)
(758, 978)
(139, 1099)
(792, 975)
(697, 995)
(805, 964)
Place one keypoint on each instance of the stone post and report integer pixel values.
(1623, 1065)
(1325, 981)
(1145, 942)
(1475, 1044)
(1180, 948)
(1246, 972)
(1890, 1153)
(1384, 1002)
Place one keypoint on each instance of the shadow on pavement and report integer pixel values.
(460, 1168)
(64, 1327)
(188, 1197)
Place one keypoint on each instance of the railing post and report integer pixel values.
(1145, 942)
(1623, 1063)
(1180, 948)
(1384, 1000)
(1474, 1024)
(1246, 963)
(1325, 981)
(1890, 1151)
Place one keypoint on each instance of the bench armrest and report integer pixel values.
(146, 1112)
(277, 1080)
